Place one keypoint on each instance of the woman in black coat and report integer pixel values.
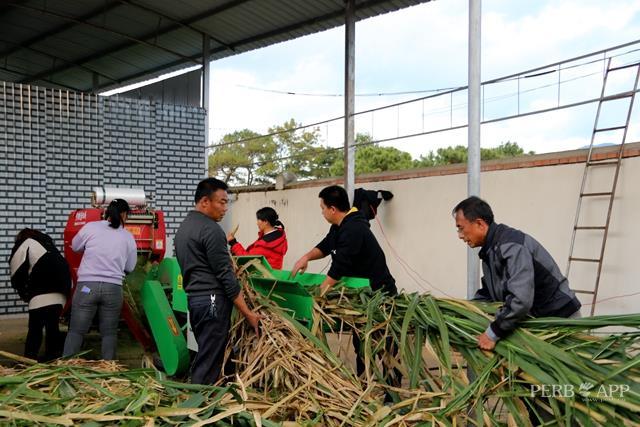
(41, 276)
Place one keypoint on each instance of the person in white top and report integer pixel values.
(109, 251)
(41, 276)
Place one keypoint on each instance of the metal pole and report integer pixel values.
(349, 99)
(206, 75)
(206, 105)
(473, 163)
(95, 84)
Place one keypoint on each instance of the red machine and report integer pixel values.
(146, 225)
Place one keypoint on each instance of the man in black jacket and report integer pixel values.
(517, 270)
(209, 280)
(353, 248)
(354, 252)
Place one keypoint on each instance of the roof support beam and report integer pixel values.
(206, 76)
(175, 21)
(6, 5)
(95, 83)
(108, 30)
(57, 58)
(349, 97)
(43, 36)
(289, 28)
(52, 83)
(126, 45)
(332, 15)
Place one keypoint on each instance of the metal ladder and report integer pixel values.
(591, 163)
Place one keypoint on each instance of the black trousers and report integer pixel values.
(210, 322)
(396, 376)
(46, 318)
(390, 347)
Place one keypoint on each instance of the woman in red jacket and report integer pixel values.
(272, 240)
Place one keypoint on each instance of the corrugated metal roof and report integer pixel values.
(64, 43)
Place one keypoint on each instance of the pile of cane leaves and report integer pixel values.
(288, 375)
(596, 377)
(92, 393)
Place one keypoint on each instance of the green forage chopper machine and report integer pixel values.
(155, 303)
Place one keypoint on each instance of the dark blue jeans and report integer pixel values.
(88, 298)
(210, 323)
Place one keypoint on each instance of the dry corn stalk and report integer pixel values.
(298, 375)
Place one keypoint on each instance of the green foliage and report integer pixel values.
(258, 160)
(325, 159)
(244, 163)
(371, 158)
(298, 150)
(458, 154)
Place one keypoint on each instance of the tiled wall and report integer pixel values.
(56, 145)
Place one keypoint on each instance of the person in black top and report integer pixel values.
(353, 248)
(209, 280)
(42, 278)
(354, 252)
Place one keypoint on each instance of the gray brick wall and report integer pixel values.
(176, 127)
(56, 145)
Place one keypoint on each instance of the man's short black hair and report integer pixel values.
(473, 208)
(208, 186)
(335, 196)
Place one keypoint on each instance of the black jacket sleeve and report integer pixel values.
(215, 243)
(348, 246)
(482, 294)
(326, 245)
(519, 290)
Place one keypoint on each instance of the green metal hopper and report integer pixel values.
(167, 333)
(289, 292)
(166, 278)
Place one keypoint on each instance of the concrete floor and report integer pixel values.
(130, 353)
(12, 336)
(14, 332)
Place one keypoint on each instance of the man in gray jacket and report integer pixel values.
(209, 280)
(517, 270)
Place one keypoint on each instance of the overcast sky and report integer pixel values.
(424, 48)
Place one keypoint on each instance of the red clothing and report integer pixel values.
(272, 245)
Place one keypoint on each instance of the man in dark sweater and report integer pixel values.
(517, 270)
(209, 280)
(354, 252)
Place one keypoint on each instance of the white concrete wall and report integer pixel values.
(421, 244)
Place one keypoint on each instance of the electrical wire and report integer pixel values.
(253, 138)
(443, 89)
(378, 141)
(339, 95)
(325, 267)
(612, 298)
(405, 265)
(435, 111)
